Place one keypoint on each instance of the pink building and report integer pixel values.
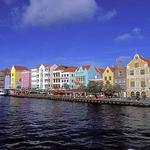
(25, 79)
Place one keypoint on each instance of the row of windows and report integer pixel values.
(56, 80)
(142, 72)
(108, 78)
(132, 84)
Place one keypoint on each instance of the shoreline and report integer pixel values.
(110, 101)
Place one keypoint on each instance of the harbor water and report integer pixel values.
(58, 125)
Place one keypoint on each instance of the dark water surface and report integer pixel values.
(44, 124)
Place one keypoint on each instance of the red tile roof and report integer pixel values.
(21, 68)
(61, 68)
(87, 67)
(100, 70)
(113, 68)
(6, 71)
(146, 60)
(70, 69)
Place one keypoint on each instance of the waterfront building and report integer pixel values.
(34, 78)
(138, 77)
(68, 78)
(5, 79)
(57, 82)
(120, 76)
(84, 74)
(26, 79)
(45, 74)
(16, 76)
(109, 75)
(42, 76)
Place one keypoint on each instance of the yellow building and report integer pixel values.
(16, 75)
(109, 75)
(138, 77)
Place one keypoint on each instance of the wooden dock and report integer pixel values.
(110, 101)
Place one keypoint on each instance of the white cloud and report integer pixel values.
(47, 12)
(108, 15)
(136, 33)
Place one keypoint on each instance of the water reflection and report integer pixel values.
(44, 124)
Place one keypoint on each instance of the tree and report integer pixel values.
(82, 87)
(95, 87)
(66, 86)
(117, 88)
(108, 90)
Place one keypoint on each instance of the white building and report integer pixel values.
(42, 77)
(68, 78)
(34, 78)
(57, 76)
(46, 76)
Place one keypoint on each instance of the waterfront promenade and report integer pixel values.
(106, 101)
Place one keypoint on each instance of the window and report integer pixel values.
(107, 71)
(105, 78)
(142, 72)
(132, 84)
(131, 72)
(120, 73)
(136, 65)
(109, 77)
(142, 83)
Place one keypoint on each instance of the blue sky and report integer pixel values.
(73, 32)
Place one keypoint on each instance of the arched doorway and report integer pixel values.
(137, 94)
(143, 94)
(132, 94)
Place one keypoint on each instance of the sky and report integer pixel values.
(73, 32)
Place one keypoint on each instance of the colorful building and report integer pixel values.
(35, 78)
(57, 83)
(138, 77)
(109, 75)
(26, 79)
(45, 76)
(84, 74)
(16, 76)
(5, 79)
(68, 78)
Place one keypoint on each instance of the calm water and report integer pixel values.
(44, 124)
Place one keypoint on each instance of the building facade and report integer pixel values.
(138, 77)
(16, 76)
(57, 82)
(109, 75)
(120, 77)
(68, 78)
(26, 79)
(34, 78)
(84, 74)
(5, 79)
(45, 74)
(42, 76)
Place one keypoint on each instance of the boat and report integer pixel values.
(2, 92)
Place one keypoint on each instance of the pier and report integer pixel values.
(106, 101)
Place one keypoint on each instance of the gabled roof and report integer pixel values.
(87, 67)
(47, 65)
(70, 69)
(21, 68)
(61, 68)
(100, 70)
(146, 60)
(6, 71)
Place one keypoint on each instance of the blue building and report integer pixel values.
(84, 74)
